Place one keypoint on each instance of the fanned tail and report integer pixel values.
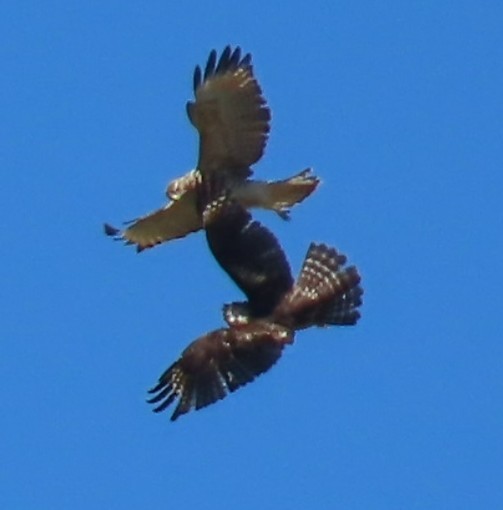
(326, 292)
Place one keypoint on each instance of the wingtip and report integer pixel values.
(210, 64)
(229, 59)
(175, 416)
(307, 175)
(196, 80)
(110, 230)
(223, 61)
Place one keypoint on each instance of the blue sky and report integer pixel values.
(397, 106)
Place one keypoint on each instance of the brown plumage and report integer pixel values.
(218, 363)
(179, 217)
(226, 359)
(230, 114)
(233, 121)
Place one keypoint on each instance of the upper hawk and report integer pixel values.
(233, 121)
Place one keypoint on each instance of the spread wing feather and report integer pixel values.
(177, 219)
(217, 364)
(230, 114)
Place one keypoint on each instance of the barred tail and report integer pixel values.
(342, 311)
(326, 292)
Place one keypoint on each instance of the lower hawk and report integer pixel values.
(327, 292)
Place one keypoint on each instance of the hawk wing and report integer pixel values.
(219, 363)
(277, 196)
(177, 219)
(249, 253)
(229, 113)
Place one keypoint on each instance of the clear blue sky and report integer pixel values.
(398, 107)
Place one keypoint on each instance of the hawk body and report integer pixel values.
(253, 258)
(180, 216)
(226, 359)
(232, 118)
(325, 293)
(233, 121)
(249, 253)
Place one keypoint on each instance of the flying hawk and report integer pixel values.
(180, 217)
(233, 122)
(223, 360)
(326, 293)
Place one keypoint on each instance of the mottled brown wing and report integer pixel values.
(217, 364)
(325, 293)
(249, 253)
(177, 219)
(229, 113)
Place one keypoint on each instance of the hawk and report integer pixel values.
(180, 216)
(233, 122)
(226, 359)
(326, 293)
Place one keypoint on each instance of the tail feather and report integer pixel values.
(343, 311)
(325, 293)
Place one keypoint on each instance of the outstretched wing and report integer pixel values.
(217, 364)
(177, 219)
(326, 292)
(277, 196)
(249, 253)
(229, 113)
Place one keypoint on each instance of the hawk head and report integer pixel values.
(178, 187)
